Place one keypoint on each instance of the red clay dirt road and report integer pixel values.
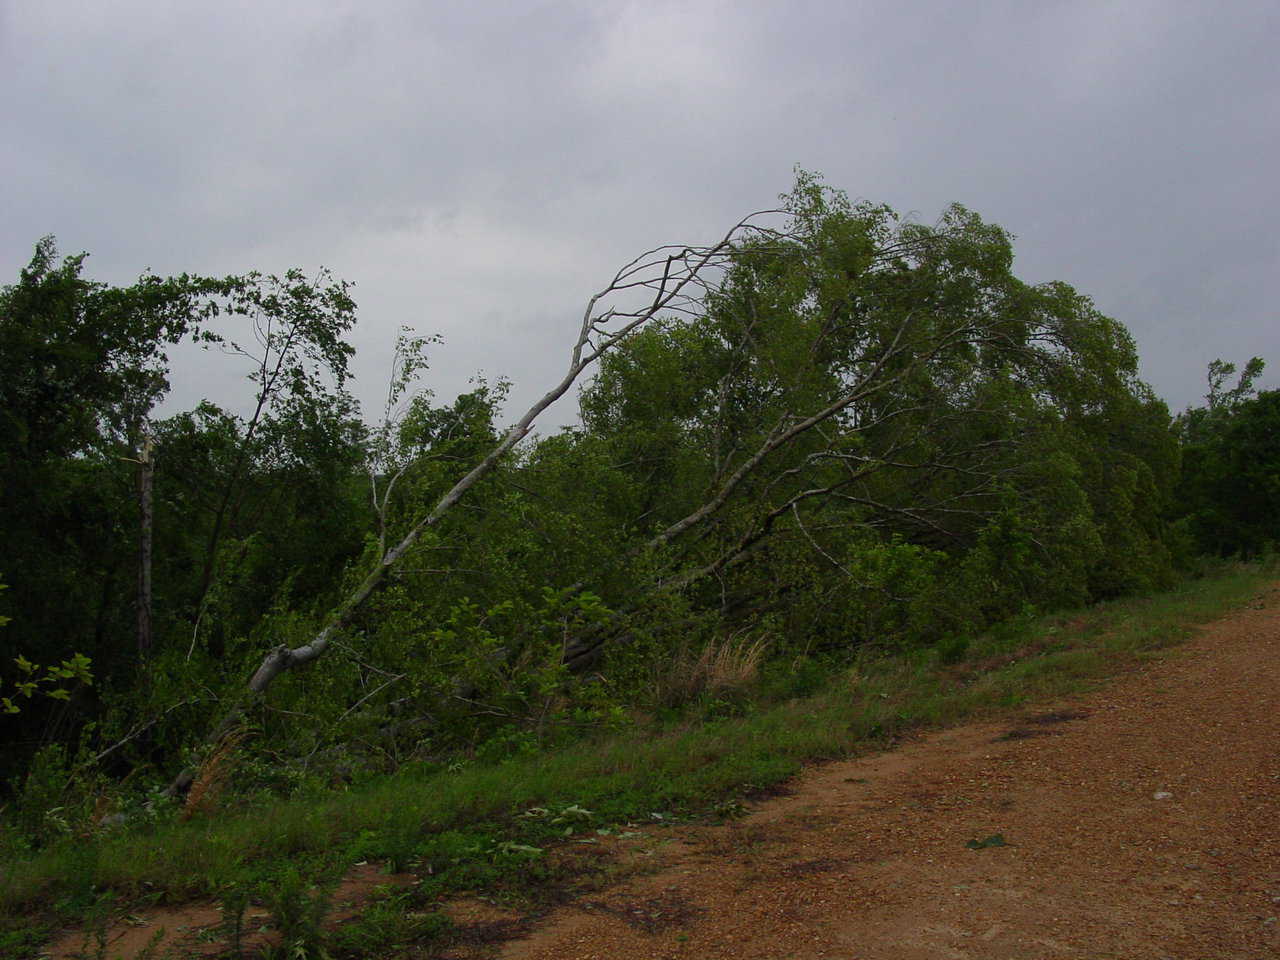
(1140, 821)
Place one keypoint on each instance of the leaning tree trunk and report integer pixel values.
(667, 278)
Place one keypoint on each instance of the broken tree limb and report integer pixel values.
(666, 279)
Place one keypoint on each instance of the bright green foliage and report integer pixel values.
(46, 681)
(991, 433)
(1199, 424)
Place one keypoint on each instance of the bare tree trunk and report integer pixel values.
(146, 475)
(669, 278)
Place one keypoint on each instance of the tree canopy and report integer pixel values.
(833, 428)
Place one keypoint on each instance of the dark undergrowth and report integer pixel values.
(485, 827)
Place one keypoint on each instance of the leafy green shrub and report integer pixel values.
(297, 909)
(23, 939)
(40, 812)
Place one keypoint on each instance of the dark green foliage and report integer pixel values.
(298, 909)
(1230, 488)
(21, 939)
(80, 363)
(866, 434)
(249, 513)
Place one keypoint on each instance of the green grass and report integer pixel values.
(464, 822)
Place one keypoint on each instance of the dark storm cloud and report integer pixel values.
(479, 172)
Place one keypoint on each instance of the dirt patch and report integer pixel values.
(158, 928)
(479, 928)
(1057, 716)
(809, 868)
(1025, 733)
(194, 929)
(1144, 827)
(651, 915)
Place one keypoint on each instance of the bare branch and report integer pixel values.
(666, 272)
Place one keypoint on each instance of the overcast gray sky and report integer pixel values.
(478, 172)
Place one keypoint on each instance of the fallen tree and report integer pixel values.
(670, 279)
(847, 371)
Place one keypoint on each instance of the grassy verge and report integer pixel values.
(477, 826)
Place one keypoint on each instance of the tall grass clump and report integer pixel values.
(725, 667)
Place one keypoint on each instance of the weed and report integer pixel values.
(986, 843)
(79, 861)
(234, 900)
(22, 940)
(297, 910)
(97, 922)
(387, 924)
(212, 778)
(953, 649)
(151, 948)
(397, 842)
(724, 669)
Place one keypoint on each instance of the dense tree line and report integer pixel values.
(1229, 491)
(843, 430)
